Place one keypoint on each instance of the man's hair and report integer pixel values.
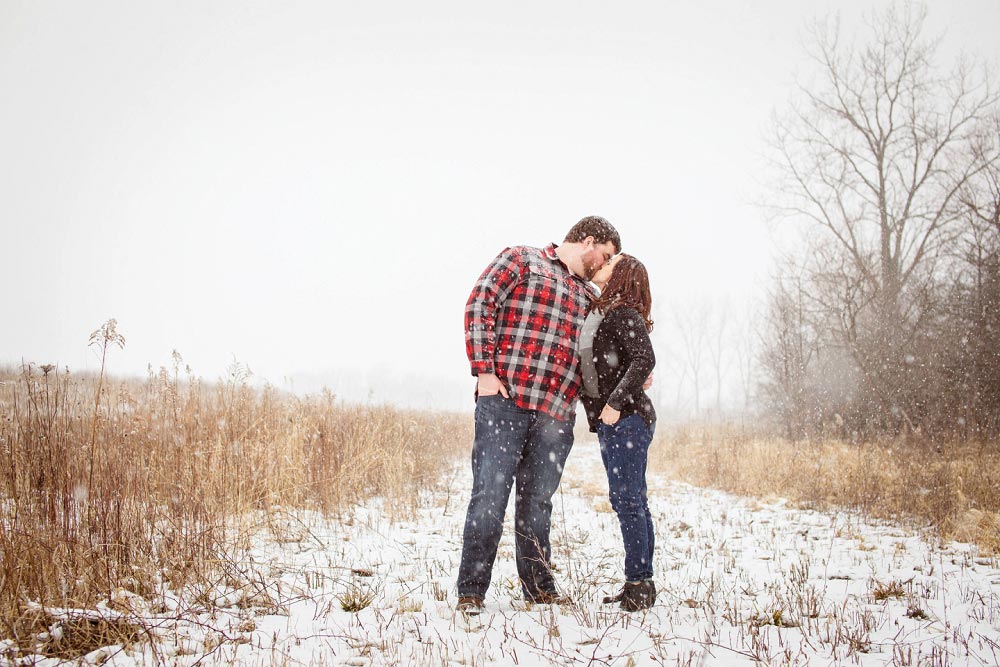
(596, 226)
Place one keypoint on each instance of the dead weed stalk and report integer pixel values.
(109, 484)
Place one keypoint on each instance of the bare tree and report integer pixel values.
(744, 344)
(718, 320)
(690, 323)
(980, 196)
(874, 159)
(788, 349)
(971, 325)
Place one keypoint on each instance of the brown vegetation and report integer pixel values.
(955, 489)
(118, 484)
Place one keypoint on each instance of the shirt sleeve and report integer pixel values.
(488, 295)
(630, 332)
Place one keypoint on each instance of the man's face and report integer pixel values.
(595, 255)
(602, 277)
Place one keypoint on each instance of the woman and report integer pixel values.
(616, 357)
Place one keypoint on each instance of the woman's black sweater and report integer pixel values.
(623, 356)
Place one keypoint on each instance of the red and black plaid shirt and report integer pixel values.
(522, 322)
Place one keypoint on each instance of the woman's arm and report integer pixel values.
(629, 330)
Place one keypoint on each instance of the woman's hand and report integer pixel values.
(610, 416)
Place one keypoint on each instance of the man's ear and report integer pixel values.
(591, 240)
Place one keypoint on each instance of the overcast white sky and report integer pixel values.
(313, 187)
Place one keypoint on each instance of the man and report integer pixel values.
(522, 322)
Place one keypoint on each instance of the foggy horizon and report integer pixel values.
(313, 190)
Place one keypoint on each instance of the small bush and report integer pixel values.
(355, 598)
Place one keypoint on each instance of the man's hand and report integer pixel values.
(490, 385)
(648, 383)
(610, 416)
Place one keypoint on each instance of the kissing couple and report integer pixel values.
(544, 328)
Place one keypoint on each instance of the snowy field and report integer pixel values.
(741, 583)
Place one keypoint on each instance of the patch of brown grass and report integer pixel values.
(885, 590)
(954, 488)
(111, 484)
(70, 636)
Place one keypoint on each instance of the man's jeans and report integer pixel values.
(624, 449)
(529, 447)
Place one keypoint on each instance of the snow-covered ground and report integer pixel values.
(741, 582)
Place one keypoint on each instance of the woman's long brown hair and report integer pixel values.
(627, 286)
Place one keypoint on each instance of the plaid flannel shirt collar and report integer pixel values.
(549, 252)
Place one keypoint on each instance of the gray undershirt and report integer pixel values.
(587, 367)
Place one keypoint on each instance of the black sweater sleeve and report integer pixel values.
(630, 332)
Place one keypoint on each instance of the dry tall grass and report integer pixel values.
(111, 483)
(955, 488)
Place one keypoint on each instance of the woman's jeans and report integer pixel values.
(529, 448)
(624, 450)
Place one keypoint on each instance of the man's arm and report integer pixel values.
(485, 301)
